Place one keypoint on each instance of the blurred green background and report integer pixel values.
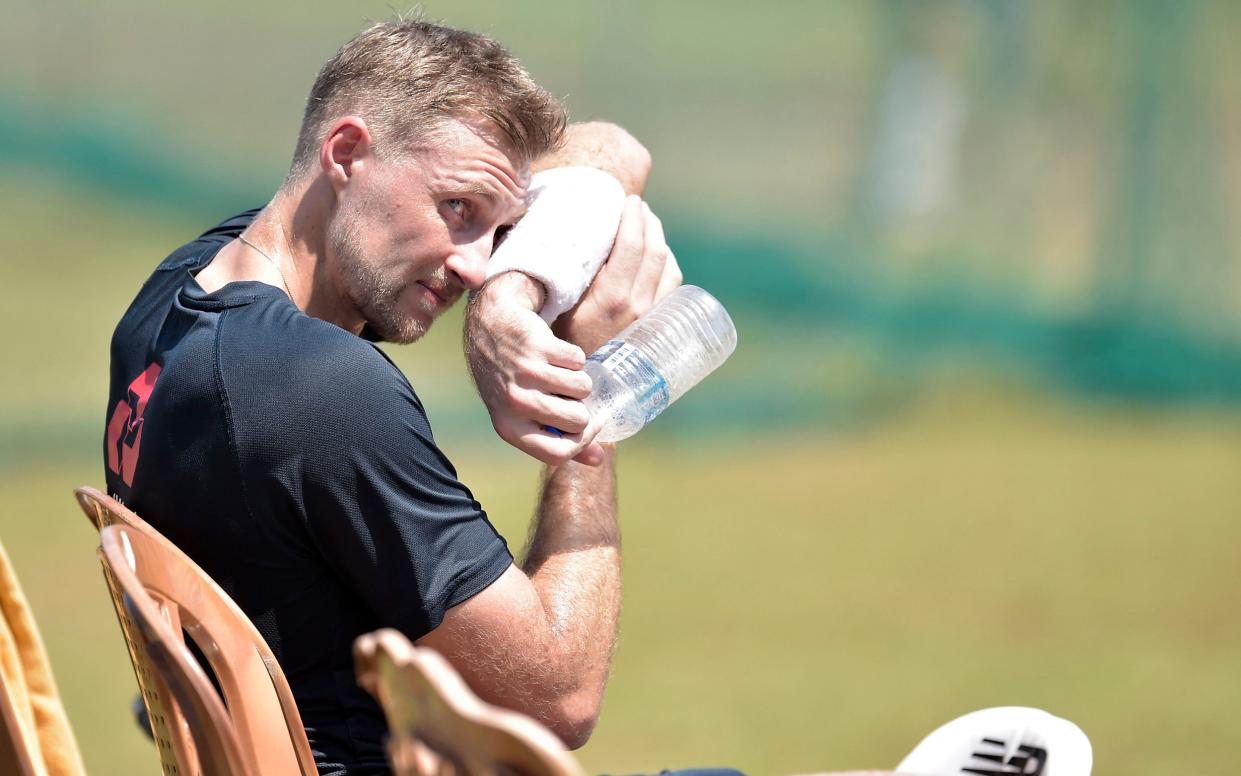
(980, 443)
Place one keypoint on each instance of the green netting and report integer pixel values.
(985, 132)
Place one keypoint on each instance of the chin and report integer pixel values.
(390, 323)
(412, 336)
(405, 332)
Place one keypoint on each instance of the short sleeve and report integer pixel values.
(351, 446)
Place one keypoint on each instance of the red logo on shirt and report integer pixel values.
(125, 427)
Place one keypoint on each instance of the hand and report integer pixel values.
(530, 381)
(639, 272)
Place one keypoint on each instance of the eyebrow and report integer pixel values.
(481, 189)
(477, 188)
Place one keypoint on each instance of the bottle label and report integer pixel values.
(635, 370)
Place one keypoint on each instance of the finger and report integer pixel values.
(546, 446)
(563, 354)
(622, 264)
(570, 383)
(552, 446)
(565, 415)
(654, 256)
(522, 435)
(591, 455)
(671, 279)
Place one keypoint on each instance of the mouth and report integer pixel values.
(439, 295)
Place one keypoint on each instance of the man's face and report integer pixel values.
(409, 236)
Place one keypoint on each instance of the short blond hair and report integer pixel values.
(406, 76)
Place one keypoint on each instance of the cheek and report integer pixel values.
(341, 238)
(420, 237)
(360, 237)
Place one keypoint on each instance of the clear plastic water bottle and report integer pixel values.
(656, 359)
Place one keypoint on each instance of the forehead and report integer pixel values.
(469, 156)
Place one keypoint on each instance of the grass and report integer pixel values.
(794, 602)
(809, 602)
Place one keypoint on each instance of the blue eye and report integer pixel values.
(457, 206)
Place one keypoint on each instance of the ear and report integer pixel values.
(346, 151)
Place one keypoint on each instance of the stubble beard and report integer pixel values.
(376, 296)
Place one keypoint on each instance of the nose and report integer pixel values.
(468, 263)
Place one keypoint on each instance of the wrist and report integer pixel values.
(515, 287)
(565, 236)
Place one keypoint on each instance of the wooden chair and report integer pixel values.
(197, 728)
(439, 727)
(258, 706)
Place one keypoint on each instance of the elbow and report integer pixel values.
(613, 148)
(634, 159)
(574, 718)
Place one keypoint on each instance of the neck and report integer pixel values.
(292, 230)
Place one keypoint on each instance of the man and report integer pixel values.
(252, 423)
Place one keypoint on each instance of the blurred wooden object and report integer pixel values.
(15, 745)
(160, 595)
(439, 727)
(35, 737)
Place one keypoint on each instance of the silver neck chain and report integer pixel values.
(274, 263)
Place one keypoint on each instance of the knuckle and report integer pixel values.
(617, 305)
(526, 368)
(513, 397)
(507, 432)
(636, 305)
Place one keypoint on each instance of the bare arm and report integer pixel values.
(540, 638)
(605, 146)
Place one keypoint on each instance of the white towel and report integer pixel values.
(565, 235)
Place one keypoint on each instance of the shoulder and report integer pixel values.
(198, 252)
(337, 363)
(281, 367)
(278, 342)
(151, 303)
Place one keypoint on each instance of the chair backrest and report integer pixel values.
(15, 741)
(197, 728)
(438, 726)
(258, 699)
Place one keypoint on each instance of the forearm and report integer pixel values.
(573, 561)
(540, 638)
(606, 147)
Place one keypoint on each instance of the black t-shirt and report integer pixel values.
(295, 463)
